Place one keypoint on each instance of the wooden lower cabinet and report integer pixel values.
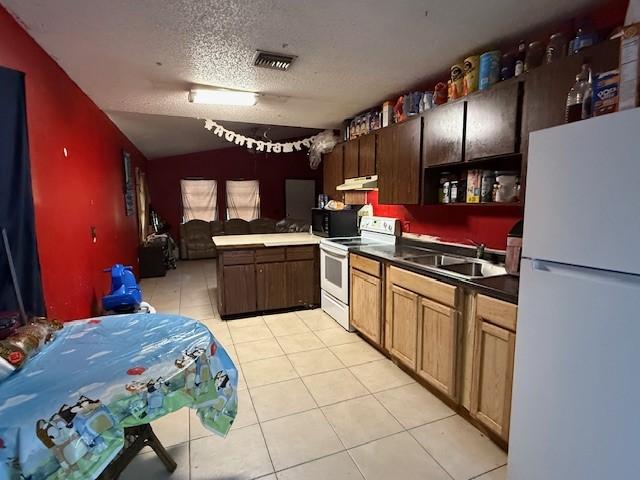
(438, 345)
(262, 279)
(425, 331)
(422, 326)
(492, 374)
(365, 305)
(301, 282)
(270, 285)
(402, 314)
(240, 289)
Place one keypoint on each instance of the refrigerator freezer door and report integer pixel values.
(582, 199)
(576, 386)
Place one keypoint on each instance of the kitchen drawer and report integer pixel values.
(366, 265)
(496, 311)
(237, 257)
(425, 286)
(273, 254)
(306, 252)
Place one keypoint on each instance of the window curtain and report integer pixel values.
(243, 199)
(16, 199)
(143, 203)
(199, 200)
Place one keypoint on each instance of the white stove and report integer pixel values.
(334, 263)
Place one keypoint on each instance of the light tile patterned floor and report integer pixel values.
(315, 403)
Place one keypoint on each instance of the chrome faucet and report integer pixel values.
(479, 248)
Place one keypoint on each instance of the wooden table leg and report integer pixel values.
(136, 438)
(161, 452)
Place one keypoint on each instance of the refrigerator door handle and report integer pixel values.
(585, 272)
(539, 265)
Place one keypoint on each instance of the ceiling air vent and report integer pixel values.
(274, 61)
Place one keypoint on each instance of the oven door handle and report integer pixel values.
(334, 252)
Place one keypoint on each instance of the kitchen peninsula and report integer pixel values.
(274, 271)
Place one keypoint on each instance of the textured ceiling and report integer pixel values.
(163, 135)
(351, 54)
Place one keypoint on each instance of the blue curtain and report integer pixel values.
(16, 200)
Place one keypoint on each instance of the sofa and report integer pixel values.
(195, 235)
(195, 239)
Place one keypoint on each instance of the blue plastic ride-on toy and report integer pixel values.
(125, 295)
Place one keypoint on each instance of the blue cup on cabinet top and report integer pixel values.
(489, 69)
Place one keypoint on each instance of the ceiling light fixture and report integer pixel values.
(221, 96)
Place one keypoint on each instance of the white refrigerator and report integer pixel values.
(576, 394)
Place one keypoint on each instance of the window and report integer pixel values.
(199, 200)
(243, 199)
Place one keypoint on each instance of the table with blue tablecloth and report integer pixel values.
(64, 414)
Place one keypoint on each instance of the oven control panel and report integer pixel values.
(390, 226)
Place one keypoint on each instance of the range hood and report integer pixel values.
(360, 183)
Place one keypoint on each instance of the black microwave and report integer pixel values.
(334, 223)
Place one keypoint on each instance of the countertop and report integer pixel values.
(503, 287)
(265, 240)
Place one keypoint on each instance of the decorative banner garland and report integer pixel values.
(259, 145)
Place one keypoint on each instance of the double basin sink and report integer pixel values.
(464, 267)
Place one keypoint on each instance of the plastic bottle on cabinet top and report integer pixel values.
(576, 96)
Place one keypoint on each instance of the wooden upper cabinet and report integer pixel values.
(351, 153)
(402, 318)
(437, 345)
(547, 86)
(367, 156)
(493, 121)
(399, 149)
(386, 170)
(444, 134)
(333, 174)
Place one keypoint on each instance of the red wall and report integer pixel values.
(234, 163)
(71, 194)
(488, 225)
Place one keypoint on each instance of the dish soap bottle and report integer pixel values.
(576, 97)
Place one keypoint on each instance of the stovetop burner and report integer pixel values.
(375, 231)
(350, 242)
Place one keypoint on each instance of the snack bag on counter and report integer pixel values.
(27, 340)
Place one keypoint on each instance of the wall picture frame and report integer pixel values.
(128, 184)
